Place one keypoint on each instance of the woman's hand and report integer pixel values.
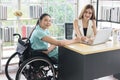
(77, 39)
(49, 49)
(84, 39)
(90, 41)
(87, 40)
(46, 52)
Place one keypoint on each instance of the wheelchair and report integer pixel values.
(32, 64)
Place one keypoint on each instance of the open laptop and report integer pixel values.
(102, 36)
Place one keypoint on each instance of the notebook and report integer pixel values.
(102, 36)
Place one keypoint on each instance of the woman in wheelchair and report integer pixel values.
(42, 58)
(40, 37)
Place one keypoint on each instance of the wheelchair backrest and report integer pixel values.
(23, 47)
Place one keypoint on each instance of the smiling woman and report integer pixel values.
(85, 25)
(61, 11)
(40, 37)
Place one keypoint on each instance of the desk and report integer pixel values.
(83, 62)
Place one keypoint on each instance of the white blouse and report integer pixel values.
(89, 33)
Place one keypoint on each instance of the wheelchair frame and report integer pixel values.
(43, 61)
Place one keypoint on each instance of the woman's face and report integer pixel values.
(87, 14)
(45, 22)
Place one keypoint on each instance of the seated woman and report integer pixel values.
(85, 25)
(40, 37)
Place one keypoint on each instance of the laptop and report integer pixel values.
(102, 36)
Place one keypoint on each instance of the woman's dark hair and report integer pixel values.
(41, 17)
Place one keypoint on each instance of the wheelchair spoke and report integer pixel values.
(44, 70)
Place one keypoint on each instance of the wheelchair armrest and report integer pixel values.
(39, 50)
(34, 53)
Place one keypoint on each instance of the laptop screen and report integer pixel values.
(102, 36)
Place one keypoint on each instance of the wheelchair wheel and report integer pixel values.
(9, 67)
(37, 68)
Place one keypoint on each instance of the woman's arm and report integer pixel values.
(76, 28)
(59, 42)
(90, 40)
(94, 27)
(49, 49)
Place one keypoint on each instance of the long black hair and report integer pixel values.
(38, 21)
(41, 17)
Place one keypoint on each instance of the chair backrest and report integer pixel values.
(23, 47)
(68, 30)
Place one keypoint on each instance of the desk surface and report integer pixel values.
(83, 62)
(87, 49)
